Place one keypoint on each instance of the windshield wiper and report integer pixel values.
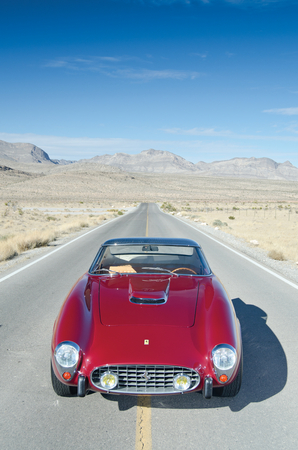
(161, 268)
(112, 272)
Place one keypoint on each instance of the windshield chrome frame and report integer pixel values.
(103, 247)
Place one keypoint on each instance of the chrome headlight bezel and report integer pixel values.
(227, 362)
(67, 363)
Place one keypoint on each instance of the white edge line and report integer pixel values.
(242, 256)
(56, 250)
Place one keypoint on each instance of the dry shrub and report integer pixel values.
(34, 239)
(7, 250)
(20, 243)
(275, 254)
(47, 229)
(84, 224)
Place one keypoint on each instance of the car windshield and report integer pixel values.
(149, 258)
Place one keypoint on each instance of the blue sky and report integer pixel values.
(207, 80)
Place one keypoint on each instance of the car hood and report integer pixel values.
(148, 300)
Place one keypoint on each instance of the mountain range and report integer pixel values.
(158, 161)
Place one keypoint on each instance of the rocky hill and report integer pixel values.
(150, 161)
(263, 168)
(26, 153)
(155, 162)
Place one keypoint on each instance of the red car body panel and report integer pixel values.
(178, 311)
(111, 330)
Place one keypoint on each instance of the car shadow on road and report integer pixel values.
(264, 369)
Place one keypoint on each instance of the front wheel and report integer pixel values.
(60, 388)
(232, 389)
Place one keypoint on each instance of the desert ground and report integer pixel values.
(39, 203)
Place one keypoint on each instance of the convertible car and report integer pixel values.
(148, 318)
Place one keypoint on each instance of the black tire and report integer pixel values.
(60, 388)
(232, 389)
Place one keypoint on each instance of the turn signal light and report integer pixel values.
(66, 376)
(223, 378)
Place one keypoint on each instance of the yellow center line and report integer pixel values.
(147, 221)
(143, 428)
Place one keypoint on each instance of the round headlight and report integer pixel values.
(67, 354)
(109, 380)
(181, 382)
(224, 358)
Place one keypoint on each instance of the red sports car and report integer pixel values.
(149, 317)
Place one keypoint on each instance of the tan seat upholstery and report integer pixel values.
(122, 269)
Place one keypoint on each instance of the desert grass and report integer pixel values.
(15, 245)
(22, 230)
(272, 227)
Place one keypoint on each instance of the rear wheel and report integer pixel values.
(60, 388)
(232, 389)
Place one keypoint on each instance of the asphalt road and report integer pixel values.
(263, 415)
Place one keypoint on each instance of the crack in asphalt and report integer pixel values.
(143, 428)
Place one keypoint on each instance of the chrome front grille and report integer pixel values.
(145, 379)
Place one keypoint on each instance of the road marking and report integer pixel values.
(54, 251)
(243, 256)
(143, 427)
(147, 223)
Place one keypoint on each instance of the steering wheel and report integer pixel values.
(184, 268)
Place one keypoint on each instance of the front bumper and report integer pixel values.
(145, 379)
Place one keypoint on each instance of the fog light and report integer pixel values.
(109, 380)
(181, 382)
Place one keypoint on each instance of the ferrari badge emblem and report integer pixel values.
(146, 342)
(146, 376)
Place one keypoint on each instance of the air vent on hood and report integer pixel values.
(151, 292)
(148, 301)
